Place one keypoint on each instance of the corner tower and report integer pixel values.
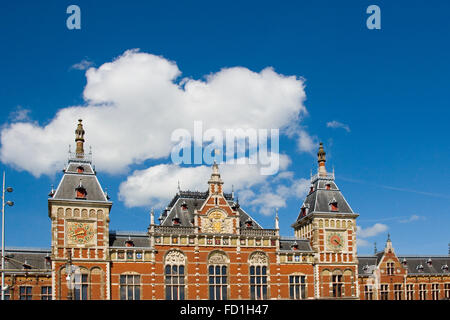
(79, 212)
(328, 221)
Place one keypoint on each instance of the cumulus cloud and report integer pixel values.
(135, 102)
(336, 125)
(363, 233)
(156, 185)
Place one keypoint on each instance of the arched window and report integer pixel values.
(258, 276)
(218, 276)
(174, 274)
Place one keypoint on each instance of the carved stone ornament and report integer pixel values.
(175, 257)
(218, 258)
(258, 258)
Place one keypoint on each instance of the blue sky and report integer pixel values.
(389, 87)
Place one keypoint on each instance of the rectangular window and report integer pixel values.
(390, 268)
(7, 294)
(422, 291)
(337, 286)
(410, 292)
(384, 292)
(81, 288)
(218, 283)
(46, 293)
(130, 287)
(398, 292)
(174, 281)
(297, 287)
(435, 291)
(368, 292)
(258, 282)
(25, 293)
(447, 290)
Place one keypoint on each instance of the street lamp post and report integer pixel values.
(9, 203)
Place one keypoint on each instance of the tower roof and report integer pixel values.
(324, 196)
(79, 172)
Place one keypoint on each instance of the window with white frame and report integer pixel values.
(130, 287)
(368, 292)
(447, 290)
(384, 292)
(297, 287)
(390, 268)
(435, 291)
(81, 287)
(46, 293)
(258, 276)
(398, 292)
(174, 275)
(410, 291)
(422, 291)
(337, 285)
(25, 293)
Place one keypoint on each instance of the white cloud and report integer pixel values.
(336, 125)
(362, 234)
(412, 218)
(82, 65)
(134, 103)
(372, 231)
(305, 142)
(20, 114)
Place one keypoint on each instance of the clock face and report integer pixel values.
(80, 232)
(335, 241)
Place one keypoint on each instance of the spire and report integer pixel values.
(374, 248)
(152, 217)
(277, 220)
(215, 182)
(321, 160)
(389, 247)
(79, 140)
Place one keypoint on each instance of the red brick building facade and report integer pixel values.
(205, 246)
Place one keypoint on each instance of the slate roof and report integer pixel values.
(435, 267)
(118, 239)
(318, 200)
(27, 259)
(194, 200)
(71, 180)
(366, 263)
(303, 245)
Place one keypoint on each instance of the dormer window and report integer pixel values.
(304, 209)
(333, 205)
(129, 243)
(429, 262)
(445, 268)
(176, 221)
(404, 262)
(294, 246)
(80, 191)
(80, 169)
(311, 188)
(420, 268)
(328, 186)
(249, 223)
(184, 205)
